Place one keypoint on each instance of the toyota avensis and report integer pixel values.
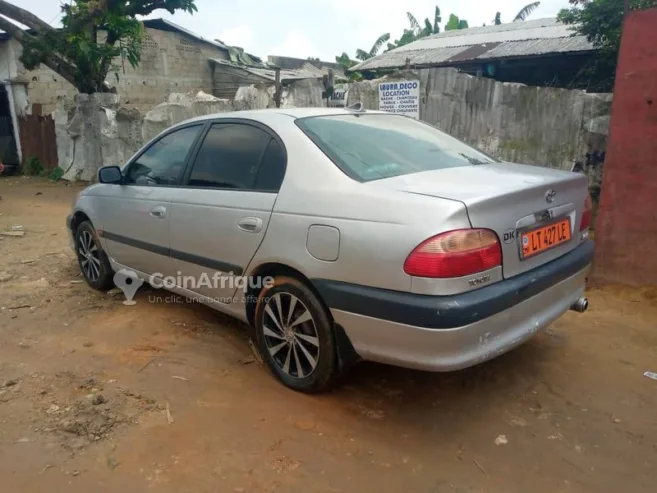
(382, 237)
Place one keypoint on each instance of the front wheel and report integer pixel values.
(295, 336)
(93, 261)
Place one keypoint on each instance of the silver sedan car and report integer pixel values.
(340, 235)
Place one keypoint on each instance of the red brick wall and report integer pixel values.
(626, 226)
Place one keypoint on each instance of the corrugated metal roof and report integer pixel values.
(539, 47)
(286, 75)
(337, 73)
(270, 73)
(165, 25)
(538, 37)
(513, 31)
(397, 58)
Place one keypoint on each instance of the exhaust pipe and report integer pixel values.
(580, 305)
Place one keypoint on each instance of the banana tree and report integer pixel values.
(416, 31)
(455, 23)
(526, 11)
(364, 55)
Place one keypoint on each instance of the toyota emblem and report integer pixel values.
(550, 195)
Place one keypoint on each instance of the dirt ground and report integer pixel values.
(99, 396)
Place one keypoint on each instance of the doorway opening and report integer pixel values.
(8, 145)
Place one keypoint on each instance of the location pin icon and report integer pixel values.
(128, 282)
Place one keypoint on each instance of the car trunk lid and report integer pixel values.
(509, 199)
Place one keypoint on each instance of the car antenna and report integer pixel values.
(356, 107)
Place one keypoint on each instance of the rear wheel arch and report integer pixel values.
(274, 269)
(347, 355)
(78, 218)
(89, 252)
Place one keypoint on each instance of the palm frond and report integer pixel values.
(437, 19)
(344, 61)
(415, 25)
(408, 37)
(379, 43)
(428, 28)
(362, 54)
(526, 11)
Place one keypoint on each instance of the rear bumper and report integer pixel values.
(445, 333)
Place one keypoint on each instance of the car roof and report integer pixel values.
(291, 112)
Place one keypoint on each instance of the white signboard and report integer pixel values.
(339, 98)
(401, 97)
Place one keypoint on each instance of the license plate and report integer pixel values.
(541, 239)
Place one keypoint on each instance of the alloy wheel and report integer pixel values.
(88, 254)
(291, 335)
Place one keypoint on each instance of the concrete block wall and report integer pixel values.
(94, 130)
(42, 85)
(171, 62)
(48, 93)
(626, 226)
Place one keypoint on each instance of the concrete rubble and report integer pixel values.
(86, 134)
(95, 130)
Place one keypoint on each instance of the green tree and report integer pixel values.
(346, 63)
(601, 21)
(498, 19)
(437, 19)
(94, 34)
(416, 31)
(455, 23)
(408, 36)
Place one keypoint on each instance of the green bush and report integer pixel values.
(34, 167)
(56, 174)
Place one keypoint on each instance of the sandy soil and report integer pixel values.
(98, 396)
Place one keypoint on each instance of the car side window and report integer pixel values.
(229, 157)
(272, 170)
(163, 162)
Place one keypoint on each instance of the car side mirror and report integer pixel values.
(110, 175)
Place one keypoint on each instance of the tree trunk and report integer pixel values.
(23, 16)
(55, 62)
(64, 68)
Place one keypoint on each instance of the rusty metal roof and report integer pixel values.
(516, 39)
(269, 73)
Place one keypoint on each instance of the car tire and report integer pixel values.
(297, 341)
(92, 259)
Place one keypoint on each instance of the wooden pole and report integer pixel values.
(278, 91)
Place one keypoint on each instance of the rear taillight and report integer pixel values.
(587, 214)
(455, 254)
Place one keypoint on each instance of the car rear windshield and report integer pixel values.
(371, 147)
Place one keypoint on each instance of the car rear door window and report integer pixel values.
(272, 169)
(229, 157)
(163, 162)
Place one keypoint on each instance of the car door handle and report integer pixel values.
(158, 212)
(250, 224)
